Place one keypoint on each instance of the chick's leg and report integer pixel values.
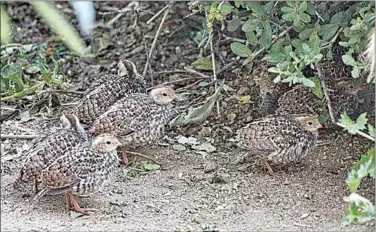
(270, 170)
(125, 157)
(35, 186)
(76, 207)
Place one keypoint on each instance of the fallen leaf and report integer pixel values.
(179, 147)
(150, 167)
(205, 147)
(75, 214)
(184, 140)
(245, 99)
(199, 114)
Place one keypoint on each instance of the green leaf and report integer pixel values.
(275, 57)
(351, 126)
(361, 121)
(311, 9)
(341, 19)
(355, 72)
(268, 7)
(251, 38)
(240, 49)
(233, 24)
(306, 33)
(257, 8)
(314, 40)
(203, 84)
(266, 35)
(226, 8)
(291, 4)
(348, 60)
(327, 31)
(302, 7)
(286, 9)
(371, 130)
(250, 25)
(150, 167)
(307, 82)
(13, 72)
(317, 90)
(305, 17)
(277, 46)
(206, 64)
(289, 17)
(360, 209)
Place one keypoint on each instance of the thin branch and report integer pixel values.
(327, 98)
(63, 92)
(180, 80)
(156, 37)
(128, 8)
(214, 69)
(157, 14)
(18, 136)
(330, 43)
(144, 156)
(359, 132)
(23, 93)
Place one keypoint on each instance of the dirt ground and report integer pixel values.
(191, 191)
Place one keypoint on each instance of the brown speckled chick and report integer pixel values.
(299, 100)
(107, 90)
(138, 118)
(84, 169)
(48, 147)
(280, 139)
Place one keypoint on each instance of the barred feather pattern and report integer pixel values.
(47, 148)
(136, 120)
(299, 100)
(105, 92)
(82, 170)
(278, 138)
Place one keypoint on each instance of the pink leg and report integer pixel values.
(125, 157)
(269, 168)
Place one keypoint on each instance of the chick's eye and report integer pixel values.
(164, 94)
(310, 123)
(108, 142)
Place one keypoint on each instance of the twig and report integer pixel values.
(327, 98)
(18, 136)
(63, 92)
(180, 80)
(214, 69)
(123, 11)
(144, 156)
(195, 72)
(148, 63)
(187, 86)
(227, 66)
(157, 14)
(330, 43)
(156, 37)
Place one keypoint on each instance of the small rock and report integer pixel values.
(209, 167)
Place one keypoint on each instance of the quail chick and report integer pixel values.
(138, 118)
(269, 91)
(49, 147)
(84, 169)
(299, 100)
(280, 139)
(107, 90)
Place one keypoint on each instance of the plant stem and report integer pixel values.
(359, 132)
(23, 93)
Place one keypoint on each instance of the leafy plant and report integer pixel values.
(360, 209)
